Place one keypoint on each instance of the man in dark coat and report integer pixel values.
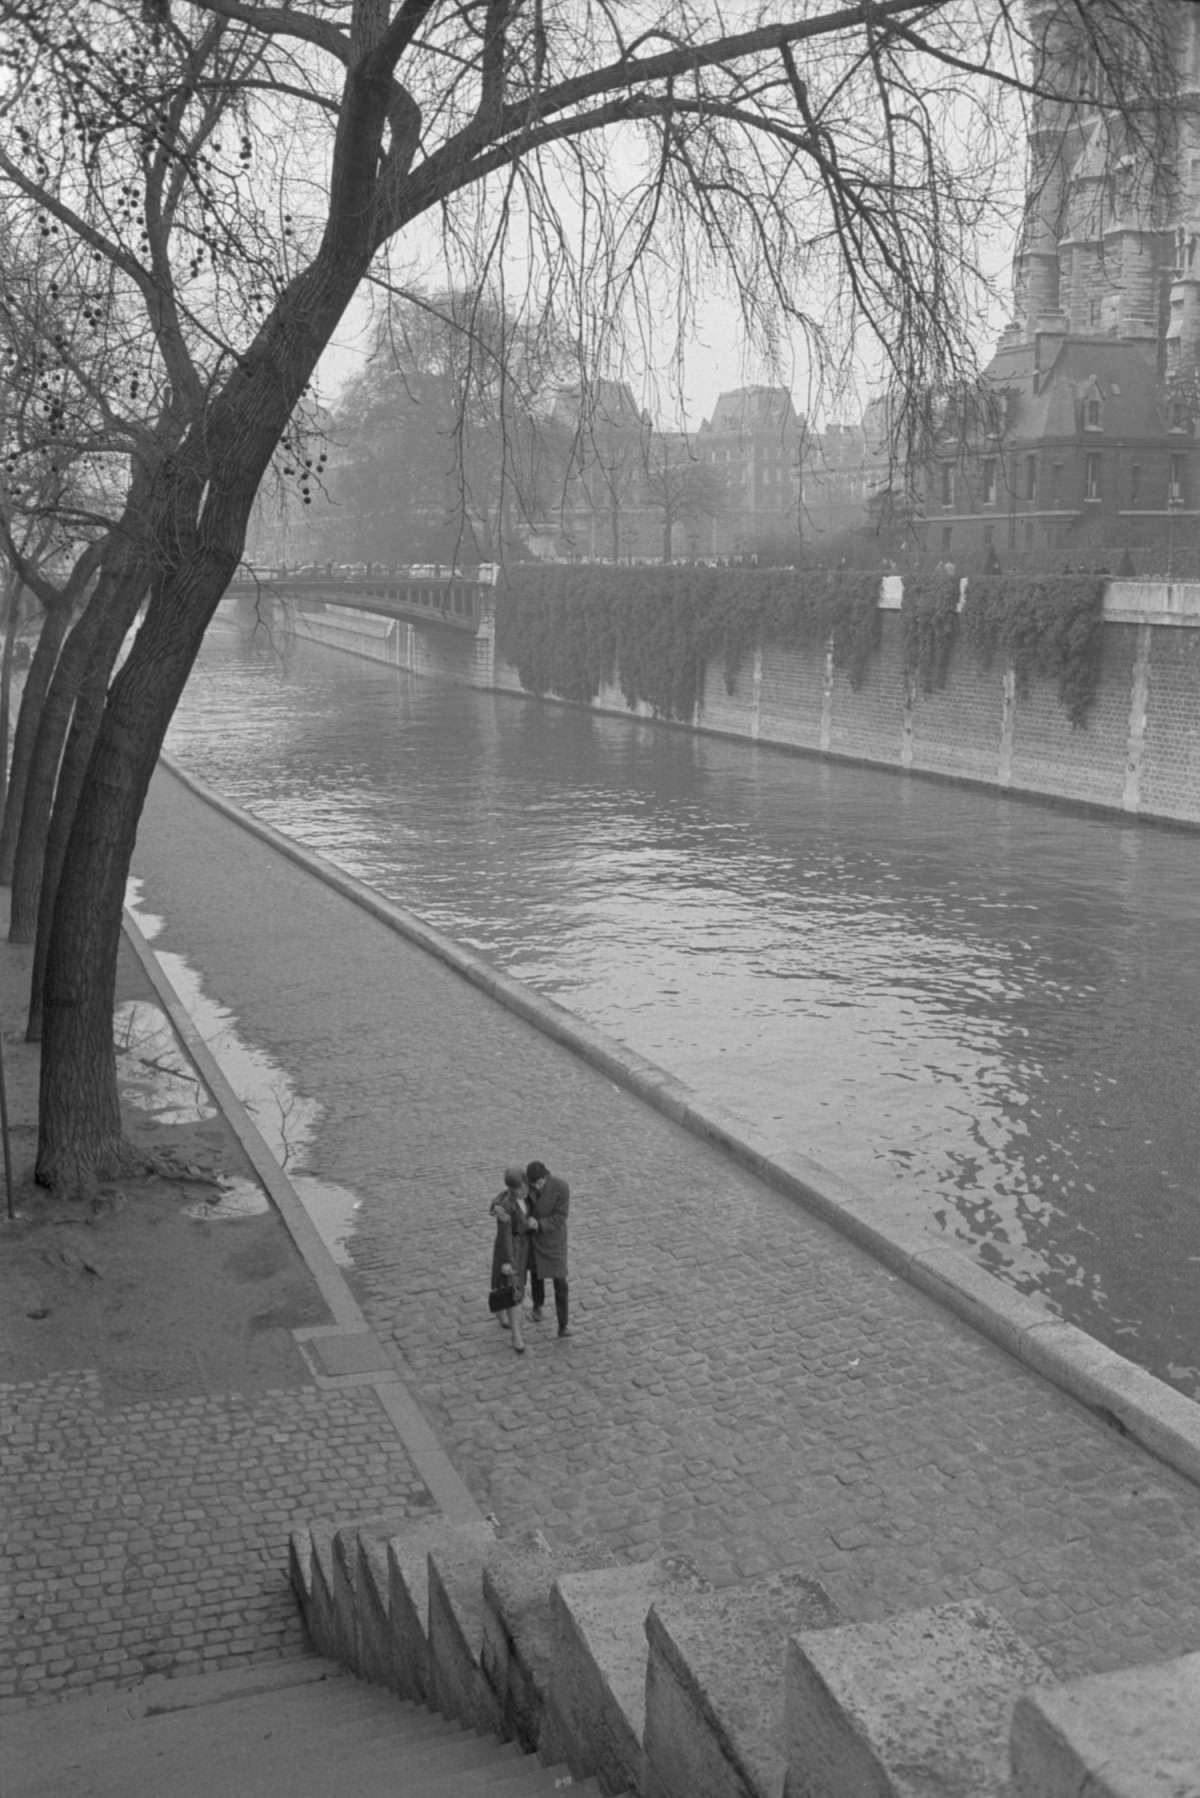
(549, 1200)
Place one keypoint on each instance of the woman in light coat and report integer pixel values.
(510, 1252)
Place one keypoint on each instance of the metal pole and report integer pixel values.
(8, 1175)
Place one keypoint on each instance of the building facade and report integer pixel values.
(753, 443)
(1083, 450)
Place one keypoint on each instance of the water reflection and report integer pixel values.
(286, 1121)
(980, 1007)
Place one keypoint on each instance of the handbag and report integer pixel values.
(502, 1298)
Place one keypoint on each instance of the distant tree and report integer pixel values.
(679, 486)
(445, 450)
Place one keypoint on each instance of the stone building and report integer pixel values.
(753, 442)
(1088, 453)
(728, 490)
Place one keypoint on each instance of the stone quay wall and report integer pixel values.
(1138, 753)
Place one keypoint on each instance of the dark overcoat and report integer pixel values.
(512, 1239)
(548, 1244)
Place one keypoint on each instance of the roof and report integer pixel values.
(747, 409)
(1120, 372)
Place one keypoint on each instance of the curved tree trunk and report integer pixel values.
(80, 1138)
(81, 740)
(43, 766)
(112, 625)
(190, 532)
(33, 699)
(12, 613)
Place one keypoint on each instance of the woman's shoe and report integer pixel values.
(520, 1347)
(503, 1321)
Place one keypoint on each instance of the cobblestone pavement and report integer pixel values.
(145, 1504)
(744, 1386)
(152, 1538)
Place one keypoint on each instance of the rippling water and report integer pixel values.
(985, 1008)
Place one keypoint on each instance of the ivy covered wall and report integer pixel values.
(656, 632)
(1055, 687)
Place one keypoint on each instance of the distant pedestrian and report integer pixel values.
(549, 1200)
(510, 1252)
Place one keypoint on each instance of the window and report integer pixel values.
(1056, 469)
(1091, 415)
(1176, 482)
(1091, 478)
(989, 481)
(1179, 415)
(947, 484)
(1135, 484)
(1031, 477)
(947, 534)
(1029, 533)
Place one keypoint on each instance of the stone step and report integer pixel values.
(303, 1729)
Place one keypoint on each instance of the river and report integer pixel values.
(985, 1008)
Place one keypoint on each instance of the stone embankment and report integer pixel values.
(1138, 753)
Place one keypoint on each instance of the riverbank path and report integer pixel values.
(743, 1387)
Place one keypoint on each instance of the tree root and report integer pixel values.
(76, 1180)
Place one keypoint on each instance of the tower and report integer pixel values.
(1111, 240)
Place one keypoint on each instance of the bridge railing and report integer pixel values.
(452, 600)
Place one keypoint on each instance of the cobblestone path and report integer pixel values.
(152, 1537)
(744, 1386)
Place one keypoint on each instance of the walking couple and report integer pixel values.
(531, 1234)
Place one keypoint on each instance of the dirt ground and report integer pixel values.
(170, 1284)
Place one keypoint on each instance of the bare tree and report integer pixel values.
(680, 487)
(240, 168)
(442, 446)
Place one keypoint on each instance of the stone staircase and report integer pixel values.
(299, 1729)
(452, 1660)
(642, 1679)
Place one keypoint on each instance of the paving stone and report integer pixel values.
(212, 1570)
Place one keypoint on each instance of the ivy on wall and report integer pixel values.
(929, 629)
(571, 630)
(1049, 626)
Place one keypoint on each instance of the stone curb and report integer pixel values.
(1160, 1419)
(349, 1328)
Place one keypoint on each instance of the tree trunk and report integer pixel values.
(108, 630)
(47, 751)
(190, 532)
(12, 613)
(33, 699)
(80, 1138)
(81, 740)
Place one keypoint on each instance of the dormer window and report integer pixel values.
(1092, 420)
